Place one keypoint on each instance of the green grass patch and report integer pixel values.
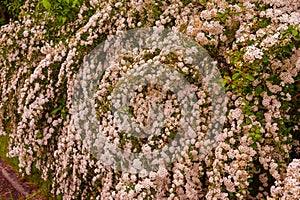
(13, 162)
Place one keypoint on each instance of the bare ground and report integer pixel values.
(13, 186)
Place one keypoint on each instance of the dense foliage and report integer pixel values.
(256, 44)
(10, 10)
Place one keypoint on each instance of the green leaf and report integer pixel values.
(227, 78)
(249, 77)
(203, 2)
(46, 4)
(258, 137)
(294, 32)
(64, 115)
(39, 135)
(55, 110)
(257, 131)
(254, 146)
(265, 59)
(235, 76)
(75, 2)
(224, 82)
(62, 19)
(258, 90)
(248, 121)
(61, 101)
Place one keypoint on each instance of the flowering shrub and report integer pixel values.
(256, 44)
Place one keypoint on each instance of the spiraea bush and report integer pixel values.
(256, 44)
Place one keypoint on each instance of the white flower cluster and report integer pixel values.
(256, 46)
(252, 53)
(289, 188)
